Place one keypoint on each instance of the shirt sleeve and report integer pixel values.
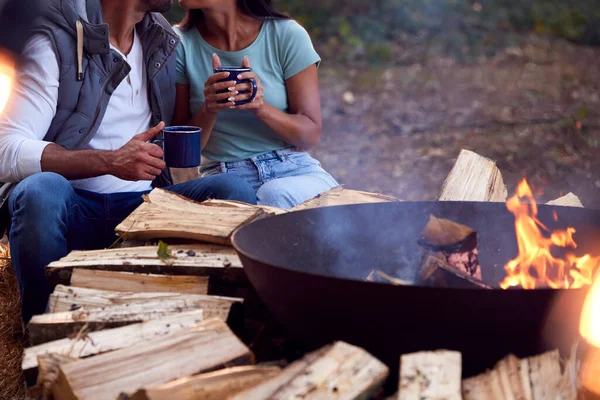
(297, 52)
(181, 75)
(29, 111)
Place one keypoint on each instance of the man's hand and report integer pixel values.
(139, 160)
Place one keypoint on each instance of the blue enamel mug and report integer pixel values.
(181, 145)
(233, 76)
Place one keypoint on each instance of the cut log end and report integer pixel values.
(474, 178)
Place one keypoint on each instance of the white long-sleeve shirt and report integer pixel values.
(32, 106)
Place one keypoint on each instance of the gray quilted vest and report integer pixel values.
(90, 74)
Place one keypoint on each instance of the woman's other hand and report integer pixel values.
(214, 101)
(256, 105)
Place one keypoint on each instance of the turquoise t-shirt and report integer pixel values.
(282, 49)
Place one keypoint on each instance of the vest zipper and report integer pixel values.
(99, 106)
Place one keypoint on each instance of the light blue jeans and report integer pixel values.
(282, 178)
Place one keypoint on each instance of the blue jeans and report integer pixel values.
(49, 219)
(281, 178)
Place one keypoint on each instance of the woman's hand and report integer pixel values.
(214, 101)
(256, 105)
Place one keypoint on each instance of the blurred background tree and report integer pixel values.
(406, 31)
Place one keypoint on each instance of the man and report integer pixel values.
(70, 137)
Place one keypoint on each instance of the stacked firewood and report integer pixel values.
(150, 319)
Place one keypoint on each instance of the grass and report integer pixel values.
(11, 335)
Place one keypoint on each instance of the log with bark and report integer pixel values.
(49, 327)
(430, 376)
(138, 283)
(339, 196)
(168, 215)
(219, 263)
(86, 343)
(474, 178)
(71, 298)
(208, 346)
(341, 371)
(216, 385)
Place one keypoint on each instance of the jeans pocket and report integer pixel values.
(301, 159)
(210, 170)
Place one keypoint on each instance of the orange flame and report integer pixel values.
(7, 75)
(535, 266)
(589, 327)
(4, 254)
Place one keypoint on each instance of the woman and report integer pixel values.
(262, 141)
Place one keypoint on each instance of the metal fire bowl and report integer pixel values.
(309, 268)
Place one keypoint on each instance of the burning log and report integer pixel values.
(339, 196)
(340, 371)
(211, 386)
(65, 298)
(49, 327)
(474, 178)
(138, 283)
(91, 343)
(160, 215)
(430, 376)
(382, 277)
(217, 262)
(205, 347)
(450, 257)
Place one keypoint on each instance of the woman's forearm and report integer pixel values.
(296, 129)
(205, 120)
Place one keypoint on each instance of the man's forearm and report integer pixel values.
(76, 164)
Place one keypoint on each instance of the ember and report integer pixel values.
(7, 72)
(535, 266)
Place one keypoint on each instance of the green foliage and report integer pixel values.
(362, 31)
(164, 253)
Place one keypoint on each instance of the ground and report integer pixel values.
(534, 109)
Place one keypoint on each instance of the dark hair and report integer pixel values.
(257, 9)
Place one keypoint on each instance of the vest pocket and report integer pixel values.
(67, 128)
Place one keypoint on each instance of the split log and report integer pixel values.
(70, 298)
(49, 327)
(339, 196)
(508, 380)
(546, 376)
(569, 200)
(534, 378)
(238, 204)
(203, 348)
(474, 178)
(212, 386)
(49, 365)
(138, 283)
(341, 371)
(93, 343)
(216, 262)
(160, 216)
(430, 376)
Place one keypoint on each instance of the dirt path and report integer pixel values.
(534, 109)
